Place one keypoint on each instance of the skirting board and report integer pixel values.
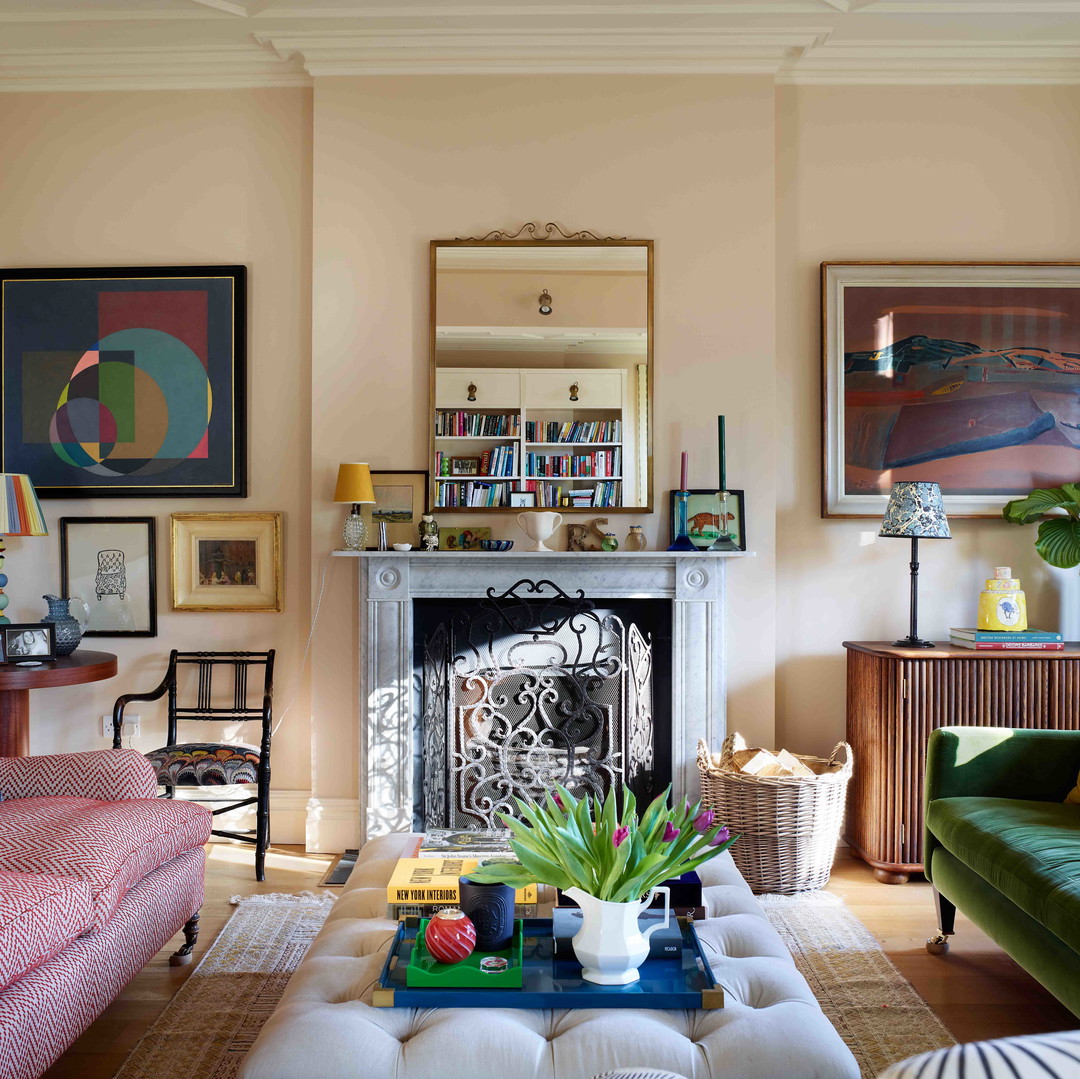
(333, 824)
(288, 811)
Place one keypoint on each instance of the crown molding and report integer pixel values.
(227, 6)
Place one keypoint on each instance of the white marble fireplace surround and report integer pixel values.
(390, 581)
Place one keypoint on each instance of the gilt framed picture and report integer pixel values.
(125, 382)
(226, 562)
(966, 374)
(110, 563)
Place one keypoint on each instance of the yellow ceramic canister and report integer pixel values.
(1002, 604)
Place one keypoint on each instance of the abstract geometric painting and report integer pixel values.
(966, 375)
(125, 382)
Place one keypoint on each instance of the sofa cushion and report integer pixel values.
(1029, 851)
(109, 845)
(39, 916)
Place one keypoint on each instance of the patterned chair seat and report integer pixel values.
(205, 764)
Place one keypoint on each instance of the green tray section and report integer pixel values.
(424, 970)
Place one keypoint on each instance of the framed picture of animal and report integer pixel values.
(704, 521)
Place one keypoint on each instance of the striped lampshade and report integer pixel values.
(20, 511)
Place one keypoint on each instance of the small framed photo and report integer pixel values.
(462, 539)
(525, 500)
(704, 522)
(226, 562)
(464, 466)
(400, 499)
(110, 564)
(27, 643)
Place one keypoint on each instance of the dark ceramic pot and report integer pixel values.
(490, 907)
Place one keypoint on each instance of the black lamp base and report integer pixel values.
(913, 642)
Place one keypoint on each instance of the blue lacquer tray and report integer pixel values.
(683, 982)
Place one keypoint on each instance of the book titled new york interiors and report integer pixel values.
(435, 880)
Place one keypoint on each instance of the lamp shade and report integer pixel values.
(20, 511)
(354, 483)
(915, 511)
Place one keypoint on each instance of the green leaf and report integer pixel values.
(1059, 542)
(543, 869)
(517, 876)
(1041, 501)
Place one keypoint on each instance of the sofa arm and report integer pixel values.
(106, 774)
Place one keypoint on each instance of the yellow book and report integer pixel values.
(435, 880)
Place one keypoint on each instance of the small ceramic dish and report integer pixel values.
(402, 546)
(496, 545)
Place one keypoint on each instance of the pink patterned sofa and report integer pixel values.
(96, 874)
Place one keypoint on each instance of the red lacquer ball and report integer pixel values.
(450, 936)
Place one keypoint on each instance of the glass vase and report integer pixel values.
(682, 538)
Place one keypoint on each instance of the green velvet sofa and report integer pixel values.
(1002, 845)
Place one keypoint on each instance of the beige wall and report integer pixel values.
(905, 173)
(144, 179)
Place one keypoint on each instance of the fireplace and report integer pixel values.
(393, 587)
(530, 686)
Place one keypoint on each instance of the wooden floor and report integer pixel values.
(977, 990)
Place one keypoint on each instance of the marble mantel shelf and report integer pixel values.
(389, 582)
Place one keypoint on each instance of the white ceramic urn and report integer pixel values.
(538, 526)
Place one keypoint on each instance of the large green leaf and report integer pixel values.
(1043, 500)
(1059, 542)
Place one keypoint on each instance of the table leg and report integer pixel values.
(14, 723)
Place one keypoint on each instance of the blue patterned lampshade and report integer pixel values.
(915, 511)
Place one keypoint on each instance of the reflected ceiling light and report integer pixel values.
(545, 302)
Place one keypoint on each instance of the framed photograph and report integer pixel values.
(400, 500)
(523, 499)
(111, 564)
(125, 382)
(704, 521)
(28, 643)
(226, 562)
(462, 539)
(464, 466)
(966, 374)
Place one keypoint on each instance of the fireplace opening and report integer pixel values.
(531, 686)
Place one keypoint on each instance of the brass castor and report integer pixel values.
(938, 944)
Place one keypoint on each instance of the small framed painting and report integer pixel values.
(226, 562)
(704, 521)
(27, 643)
(110, 563)
(462, 539)
(525, 500)
(400, 498)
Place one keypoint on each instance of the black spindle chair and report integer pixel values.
(209, 764)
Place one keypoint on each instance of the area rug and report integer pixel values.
(218, 1012)
(872, 1005)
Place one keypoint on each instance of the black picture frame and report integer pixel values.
(703, 540)
(143, 589)
(44, 633)
(102, 389)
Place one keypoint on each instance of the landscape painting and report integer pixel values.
(972, 384)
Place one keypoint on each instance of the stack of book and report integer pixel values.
(421, 886)
(982, 640)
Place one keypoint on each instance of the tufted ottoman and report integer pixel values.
(770, 1028)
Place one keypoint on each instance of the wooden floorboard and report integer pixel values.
(977, 990)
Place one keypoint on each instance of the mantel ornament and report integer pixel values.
(551, 231)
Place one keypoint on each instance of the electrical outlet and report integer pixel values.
(131, 726)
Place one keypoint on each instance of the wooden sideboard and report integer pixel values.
(897, 696)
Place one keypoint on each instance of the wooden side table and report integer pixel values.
(16, 683)
(897, 696)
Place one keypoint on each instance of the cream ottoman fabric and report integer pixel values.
(771, 1027)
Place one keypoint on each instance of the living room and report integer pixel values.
(324, 148)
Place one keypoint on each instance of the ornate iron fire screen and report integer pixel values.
(527, 688)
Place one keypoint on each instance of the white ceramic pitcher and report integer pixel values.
(609, 945)
(538, 527)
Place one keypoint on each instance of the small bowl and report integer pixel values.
(496, 545)
(402, 546)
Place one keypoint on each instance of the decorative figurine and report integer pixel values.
(429, 533)
(450, 936)
(635, 539)
(575, 538)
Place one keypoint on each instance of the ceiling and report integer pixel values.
(223, 44)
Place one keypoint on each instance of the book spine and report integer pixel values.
(996, 635)
(1017, 646)
(397, 911)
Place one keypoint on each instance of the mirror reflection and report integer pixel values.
(541, 375)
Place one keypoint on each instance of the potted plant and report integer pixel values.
(1058, 540)
(611, 864)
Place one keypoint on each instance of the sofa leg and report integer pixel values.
(182, 956)
(938, 944)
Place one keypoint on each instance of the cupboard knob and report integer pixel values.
(472, 392)
(574, 392)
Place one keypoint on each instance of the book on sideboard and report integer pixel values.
(1008, 646)
(1007, 636)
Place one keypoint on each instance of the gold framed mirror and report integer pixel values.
(541, 372)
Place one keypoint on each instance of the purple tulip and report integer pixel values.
(558, 801)
(670, 832)
(721, 837)
(703, 822)
(622, 833)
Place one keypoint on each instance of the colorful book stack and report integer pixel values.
(471, 493)
(1033, 640)
(475, 424)
(574, 431)
(601, 464)
(421, 886)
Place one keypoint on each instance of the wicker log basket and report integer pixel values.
(789, 826)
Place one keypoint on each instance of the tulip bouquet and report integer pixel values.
(569, 843)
